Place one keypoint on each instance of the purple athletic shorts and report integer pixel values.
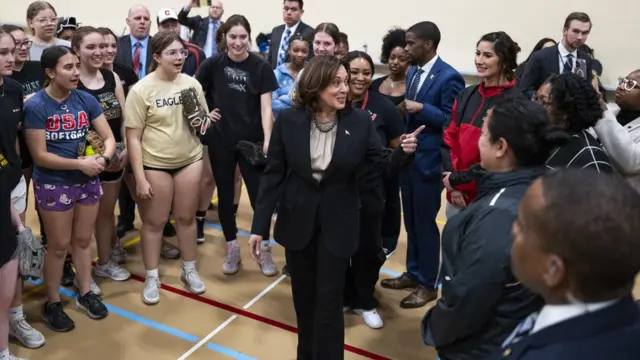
(65, 197)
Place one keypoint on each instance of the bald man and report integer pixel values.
(204, 29)
(133, 50)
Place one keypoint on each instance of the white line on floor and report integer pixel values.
(215, 331)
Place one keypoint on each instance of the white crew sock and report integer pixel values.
(152, 273)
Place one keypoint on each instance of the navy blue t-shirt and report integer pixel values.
(66, 124)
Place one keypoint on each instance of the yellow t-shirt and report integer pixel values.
(154, 105)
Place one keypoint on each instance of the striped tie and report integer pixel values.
(284, 47)
(568, 65)
(413, 90)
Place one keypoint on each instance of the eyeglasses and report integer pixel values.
(628, 84)
(44, 21)
(540, 100)
(26, 44)
(174, 53)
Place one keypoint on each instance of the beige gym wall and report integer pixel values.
(614, 37)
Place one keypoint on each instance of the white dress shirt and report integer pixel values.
(563, 56)
(426, 68)
(554, 314)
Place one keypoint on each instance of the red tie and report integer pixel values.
(136, 59)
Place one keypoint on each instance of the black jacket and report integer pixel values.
(303, 30)
(305, 205)
(482, 302)
(198, 24)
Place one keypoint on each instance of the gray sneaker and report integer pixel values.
(232, 259)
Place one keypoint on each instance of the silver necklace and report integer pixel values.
(327, 126)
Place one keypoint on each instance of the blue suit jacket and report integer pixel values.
(610, 333)
(437, 94)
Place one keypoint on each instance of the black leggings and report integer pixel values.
(224, 156)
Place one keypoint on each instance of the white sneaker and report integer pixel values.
(371, 318)
(232, 259)
(267, 266)
(118, 253)
(151, 292)
(26, 334)
(112, 271)
(93, 287)
(191, 278)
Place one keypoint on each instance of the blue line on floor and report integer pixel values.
(161, 327)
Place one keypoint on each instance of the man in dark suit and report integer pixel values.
(204, 28)
(565, 57)
(576, 243)
(432, 87)
(291, 13)
(133, 49)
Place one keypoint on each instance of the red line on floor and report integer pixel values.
(256, 317)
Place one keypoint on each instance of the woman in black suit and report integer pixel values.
(315, 187)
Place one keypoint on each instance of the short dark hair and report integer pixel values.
(393, 39)
(527, 129)
(579, 16)
(592, 221)
(507, 51)
(300, 2)
(426, 31)
(575, 99)
(317, 76)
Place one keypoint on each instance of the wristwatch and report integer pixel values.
(106, 160)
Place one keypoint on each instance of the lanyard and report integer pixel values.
(365, 100)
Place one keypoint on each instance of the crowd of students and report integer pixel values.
(540, 174)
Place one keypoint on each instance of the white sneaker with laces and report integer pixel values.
(371, 318)
(267, 266)
(191, 278)
(25, 333)
(151, 291)
(232, 259)
(112, 271)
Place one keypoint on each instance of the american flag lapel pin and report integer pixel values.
(347, 132)
(431, 77)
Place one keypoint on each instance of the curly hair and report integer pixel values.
(393, 39)
(575, 103)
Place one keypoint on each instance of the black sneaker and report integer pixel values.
(68, 275)
(123, 229)
(285, 270)
(200, 231)
(92, 305)
(56, 319)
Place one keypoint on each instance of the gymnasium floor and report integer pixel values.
(244, 316)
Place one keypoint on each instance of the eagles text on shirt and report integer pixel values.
(173, 100)
(67, 126)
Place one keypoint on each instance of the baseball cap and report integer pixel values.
(166, 14)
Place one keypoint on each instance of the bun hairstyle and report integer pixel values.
(507, 51)
(526, 127)
(50, 57)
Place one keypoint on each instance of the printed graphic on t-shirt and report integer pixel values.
(172, 100)
(3, 161)
(31, 87)
(67, 126)
(237, 79)
(111, 107)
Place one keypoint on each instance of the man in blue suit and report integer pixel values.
(576, 243)
(432, 87)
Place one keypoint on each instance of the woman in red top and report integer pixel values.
(496, 55)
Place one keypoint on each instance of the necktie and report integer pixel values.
(214, 45)
(523, 329)
(568, 65)
(136, 58)
(284, 47)
(413, 90)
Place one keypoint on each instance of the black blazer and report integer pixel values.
(544, 63)
(124, 58)
(331, 205)
(609, 333)
(276, 35)
(198, 24)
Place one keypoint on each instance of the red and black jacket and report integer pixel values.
(193, 60)
(461, 134)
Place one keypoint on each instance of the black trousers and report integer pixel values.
(364, 269)
(391, 222)
(224, 156)
(127, 206)
(317, 283)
